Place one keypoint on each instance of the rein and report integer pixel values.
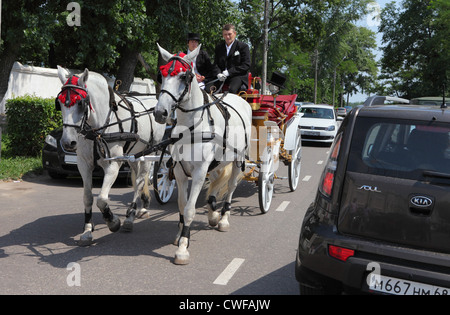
(98, 135)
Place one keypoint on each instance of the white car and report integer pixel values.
(319, 123)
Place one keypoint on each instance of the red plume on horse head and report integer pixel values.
(175, 67)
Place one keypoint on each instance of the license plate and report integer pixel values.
(311, 133)
(397, 286)
(70, 159)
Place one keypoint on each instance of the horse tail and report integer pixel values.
(133, 177)
(220, 183)
(146, 189)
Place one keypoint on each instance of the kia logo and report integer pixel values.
(421, 201)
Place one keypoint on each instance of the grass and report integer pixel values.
(15, 167)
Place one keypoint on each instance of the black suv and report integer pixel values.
(380, 222)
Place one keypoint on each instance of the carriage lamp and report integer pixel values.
(50, 140)
(276, 82)
(273, 89)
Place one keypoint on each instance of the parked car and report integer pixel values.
(341, 111)
(380, 222)
(319, 123)
(60, 163)
(384, 100)
(348, 108)
(433, 101)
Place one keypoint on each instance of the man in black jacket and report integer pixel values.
(232, 61)
(203, 67)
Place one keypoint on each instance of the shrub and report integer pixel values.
(30, 119)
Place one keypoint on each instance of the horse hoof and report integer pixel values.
(213, 218)
(181, 259)
(224, 227)
(86, 239)
(127, 225)
(143, 214)
(114, 224)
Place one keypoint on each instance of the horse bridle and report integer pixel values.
(188, 80)
(84, 102)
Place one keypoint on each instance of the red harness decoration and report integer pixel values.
(74, 97)
(175, 67)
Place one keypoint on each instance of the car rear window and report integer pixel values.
(405, 149)
(317, 112)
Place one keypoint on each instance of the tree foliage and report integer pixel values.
(113, 32)
(416, 52)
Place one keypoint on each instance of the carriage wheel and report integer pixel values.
(265, 183)
(163, 186)
(296, 162)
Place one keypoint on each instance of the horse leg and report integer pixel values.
(111, 171)
(144, 190)
(218, 187)
(198, 178)
(224, 224)
(86, 237)
(183, 185)
(86, 166)
(140, 182)
(213, 214)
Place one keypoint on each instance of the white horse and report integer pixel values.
(211, 136)
(98, 124)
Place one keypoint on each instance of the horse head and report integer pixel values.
(177, 75)
(74, 103)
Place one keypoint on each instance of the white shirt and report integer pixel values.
(229, 47)
(228, 52)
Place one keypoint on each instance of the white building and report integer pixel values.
(44, 82)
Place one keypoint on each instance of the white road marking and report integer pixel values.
(283, 206)
(228, 273)
(320, 163)
(306, 178)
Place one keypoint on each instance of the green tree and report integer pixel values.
(416, 56)
(17, 17)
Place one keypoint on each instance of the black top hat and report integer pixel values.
(193, 36)
(277, 79)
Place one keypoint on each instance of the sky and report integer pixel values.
(373, 26)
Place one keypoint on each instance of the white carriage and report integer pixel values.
(276, 138)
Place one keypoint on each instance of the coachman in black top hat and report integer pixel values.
(202, 65)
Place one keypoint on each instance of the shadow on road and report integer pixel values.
(273, 284)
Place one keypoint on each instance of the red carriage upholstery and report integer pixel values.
(283, 111)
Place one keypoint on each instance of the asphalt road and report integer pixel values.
(42, 218)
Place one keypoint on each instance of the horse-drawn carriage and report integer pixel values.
(275, 137)
(212, 137)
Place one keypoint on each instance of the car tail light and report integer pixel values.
(326, 186)
(340, 253)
